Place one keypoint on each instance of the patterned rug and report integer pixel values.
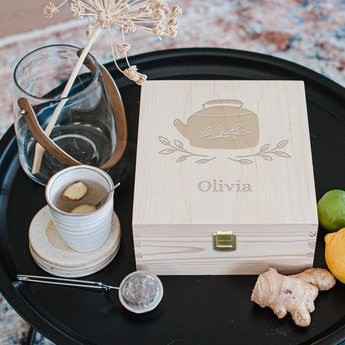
(308, 32)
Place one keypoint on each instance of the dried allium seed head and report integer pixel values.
(145, 10)
(104, 16)
(171, 32)
(172, 22)
(131, 73)
(158, 14)
(126, 15)
(50, 10)
(176, 12)
(155, 2)
(89, 30)
(142, 79)
(159, 29)
(122, 47)
(77, 9)
(164, 7)
(129, 26)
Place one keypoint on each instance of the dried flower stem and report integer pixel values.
(125, 15)
(39, 150)
(151, 16)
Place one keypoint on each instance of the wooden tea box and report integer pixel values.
(224, 178)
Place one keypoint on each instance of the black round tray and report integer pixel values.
(194, 309)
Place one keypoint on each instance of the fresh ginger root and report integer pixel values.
(76, 191)
(294, 294)
(319, 277)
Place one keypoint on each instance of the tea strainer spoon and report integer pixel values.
(139, 291)
(105, 198)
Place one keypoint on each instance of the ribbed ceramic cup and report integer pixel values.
(81, 232)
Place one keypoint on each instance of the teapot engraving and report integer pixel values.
(222, 126)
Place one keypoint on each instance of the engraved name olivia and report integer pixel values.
(220, 186)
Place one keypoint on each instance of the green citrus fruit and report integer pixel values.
(331, 210)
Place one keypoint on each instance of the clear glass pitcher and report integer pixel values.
(84, 131)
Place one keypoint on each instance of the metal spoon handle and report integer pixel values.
(111, 190)
(65, 282)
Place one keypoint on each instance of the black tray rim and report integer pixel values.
(247, 56)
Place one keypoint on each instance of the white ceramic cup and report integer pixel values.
(81, 232)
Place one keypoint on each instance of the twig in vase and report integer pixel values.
(126, 15)
(39, 150)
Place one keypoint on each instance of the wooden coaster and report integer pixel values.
(51, 266)
(53, 255)
(73, 273)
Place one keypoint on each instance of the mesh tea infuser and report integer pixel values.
(139, 291)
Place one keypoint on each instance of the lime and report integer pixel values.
(331, 210)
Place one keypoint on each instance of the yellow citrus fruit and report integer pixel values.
(335, 253)
(331, 210)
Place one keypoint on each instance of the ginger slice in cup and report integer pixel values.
(75, 191)
(83, 209)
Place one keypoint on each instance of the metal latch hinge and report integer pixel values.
(224, 240)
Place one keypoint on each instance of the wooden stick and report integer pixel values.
(39, 150)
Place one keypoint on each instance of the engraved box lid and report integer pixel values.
(259, 172)
(223, 155)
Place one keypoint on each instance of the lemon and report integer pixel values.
(335, 253)
(331, 210)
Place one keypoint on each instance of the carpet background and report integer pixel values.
(308, 32)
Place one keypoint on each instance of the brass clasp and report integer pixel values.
(224, 240)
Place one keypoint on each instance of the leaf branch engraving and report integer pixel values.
(242, 161)
(178, 147)
(265, 153)
(230, 135)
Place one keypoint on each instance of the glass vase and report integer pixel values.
(85, 127)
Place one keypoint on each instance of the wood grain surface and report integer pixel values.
(184, 192)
